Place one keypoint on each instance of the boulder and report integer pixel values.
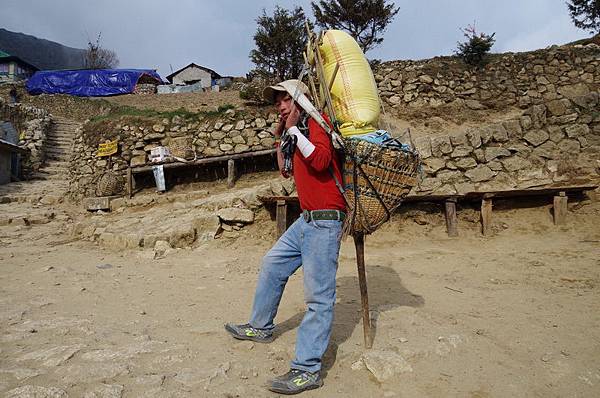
(207, 227)
(466, 163)
(432, 165)
(494, 152)
(577, 130)
(234, 214)
(515, 163)
(480, 173)
(536, 137)
(384, 365)
(574, 90)
(441, 145)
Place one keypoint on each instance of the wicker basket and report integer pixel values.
(376, 179)
(181, 147)
(110, 184)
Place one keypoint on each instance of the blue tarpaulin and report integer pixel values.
(88, 82)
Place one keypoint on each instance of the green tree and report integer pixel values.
(477, 46)
(280, 41)
(585, 14)
(365, 20)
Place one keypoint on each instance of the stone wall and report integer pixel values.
(555, 139)
(229, 132)
(33, 125)
(540, 113)
(511, 79)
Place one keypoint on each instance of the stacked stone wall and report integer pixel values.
(548, 101)
(555, 139)
(33, 125)
(230, 133)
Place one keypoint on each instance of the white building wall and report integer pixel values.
(193, 73)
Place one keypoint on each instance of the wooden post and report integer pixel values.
(281, 217)
(129, 182)
(560, 208)
(451, 219)
(230, 173)
(486, 215)
(359, 244)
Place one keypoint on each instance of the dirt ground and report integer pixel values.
(511, 315)
(192, 102)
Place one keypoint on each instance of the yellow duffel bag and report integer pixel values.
(354, 91)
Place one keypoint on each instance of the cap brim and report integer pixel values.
(270, 92)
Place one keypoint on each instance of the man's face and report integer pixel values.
(283, 104)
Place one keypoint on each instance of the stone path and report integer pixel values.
(40, 200)
(49, 185)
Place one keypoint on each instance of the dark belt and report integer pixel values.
(333, 215)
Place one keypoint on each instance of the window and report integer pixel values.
(3, 69)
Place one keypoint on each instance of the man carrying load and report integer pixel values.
(312, 241)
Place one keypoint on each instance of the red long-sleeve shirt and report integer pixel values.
(315, 185)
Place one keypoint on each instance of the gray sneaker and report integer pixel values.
(247, 332)
(295, 381)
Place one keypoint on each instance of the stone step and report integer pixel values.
(60, 158)
(66, 124)
(66, 133)
(59, 140)
(63, 147)
(57, 163)
(57, 149)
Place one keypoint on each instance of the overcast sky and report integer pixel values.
(162, 34)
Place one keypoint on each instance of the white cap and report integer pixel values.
(290, 86)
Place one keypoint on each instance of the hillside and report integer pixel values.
(44, 54)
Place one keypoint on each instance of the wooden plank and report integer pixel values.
(230, 173)
(274, 199)
(359, 244)
(281, 217)
(486, 216)
(560, 208)
(129, 183)
(451, 219)
(214, 159)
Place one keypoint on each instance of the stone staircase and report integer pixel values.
(51, 182)
(58, 148)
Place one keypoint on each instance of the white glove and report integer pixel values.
(303, 144)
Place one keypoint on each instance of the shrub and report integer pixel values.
(478, 45)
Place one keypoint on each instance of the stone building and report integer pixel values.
(13, 68)
(9, 161)
(193, 73)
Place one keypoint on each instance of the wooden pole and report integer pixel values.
(451, 219)
(359, 244)
(560, 208)
(281, 217)
(486, 215)
(230, 173)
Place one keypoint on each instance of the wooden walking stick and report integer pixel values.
(359, 244)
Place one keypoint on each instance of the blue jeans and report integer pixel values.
(315, 245)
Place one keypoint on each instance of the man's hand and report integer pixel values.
(293, 117)
(280, 127)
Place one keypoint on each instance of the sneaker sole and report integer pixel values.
(233, 333)
(288, 392)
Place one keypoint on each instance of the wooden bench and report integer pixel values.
(286, 208)
(283, 209)
(231, 175)
(559, 204)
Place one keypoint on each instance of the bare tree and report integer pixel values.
(98, 57)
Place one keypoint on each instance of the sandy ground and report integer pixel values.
(512, 315)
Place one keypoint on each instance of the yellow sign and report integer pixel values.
(107, 149)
